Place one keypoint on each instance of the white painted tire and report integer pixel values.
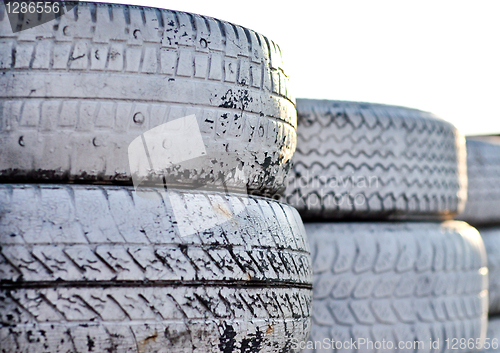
(491, 238)
(99, 269)
(362, 160)
(76, 92)
(483, 203)
(402, 282)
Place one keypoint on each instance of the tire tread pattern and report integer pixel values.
(483, 163)
(491, 238)
(369, 160)
(399, 281)
(102, 74)
(99, 264)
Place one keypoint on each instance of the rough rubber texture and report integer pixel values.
(483, 163)
(491, 238)
(76, 92)
(363, 160)
(493, 333)
(398, 281)
(98, 269)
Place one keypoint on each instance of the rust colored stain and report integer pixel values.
(222, 210)
(146, 341)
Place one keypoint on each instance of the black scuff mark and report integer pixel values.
(239, 99)
(78, 57)
(267, 162)
(253, 342)
(113, 343)
(90, 343)
(227, 341)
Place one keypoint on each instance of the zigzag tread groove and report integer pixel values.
(426, 160)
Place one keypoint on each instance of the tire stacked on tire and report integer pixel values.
(89, 264)
(377, 185)
(483, 211)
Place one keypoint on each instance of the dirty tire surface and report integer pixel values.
(491, 238)
(99, 269)
(483, 168)
(363, 160)
(398, 282)
(75, 92)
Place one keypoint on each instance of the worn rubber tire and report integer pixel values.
(491, 238)
(483, 163)
(98, 269)
(75, 93)
(398, 281)
(363, 160)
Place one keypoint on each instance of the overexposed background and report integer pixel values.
(440, 56)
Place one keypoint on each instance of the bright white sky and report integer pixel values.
(440, 56)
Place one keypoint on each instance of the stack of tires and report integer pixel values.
(376, 186)
(185, 260)
(483, 211)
